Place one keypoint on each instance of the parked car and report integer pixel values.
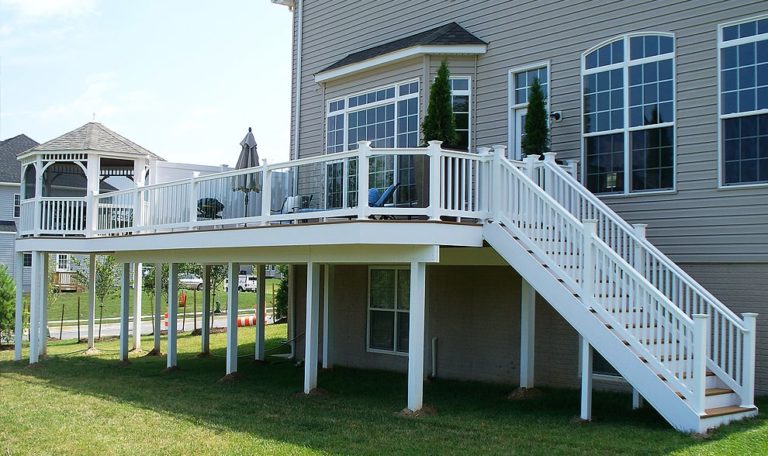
(190, 282)
(244, 283)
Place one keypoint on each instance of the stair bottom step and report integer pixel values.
(729, 410)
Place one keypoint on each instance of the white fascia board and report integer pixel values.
(10, 184)
(292, 236)
(458, 49)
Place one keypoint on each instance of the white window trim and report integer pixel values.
(468, 93)
(58, 268)
(395, 311)
(30, 261)
(15, 196)
(345, 112)
(627, 153)
(720, 116)
(511, 105)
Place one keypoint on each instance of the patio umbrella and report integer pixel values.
(249, 158)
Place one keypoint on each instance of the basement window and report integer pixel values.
(389, 292)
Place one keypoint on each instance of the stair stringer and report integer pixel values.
(647, 382)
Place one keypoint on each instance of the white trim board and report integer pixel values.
(458, 49)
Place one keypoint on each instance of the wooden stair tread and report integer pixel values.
(728, 410)
(712, 392)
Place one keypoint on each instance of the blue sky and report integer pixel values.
(185, 79)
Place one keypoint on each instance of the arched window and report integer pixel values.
(628, 114)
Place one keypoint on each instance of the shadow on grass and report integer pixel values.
(359, 413)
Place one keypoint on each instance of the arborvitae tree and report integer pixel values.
(536, 139)
(281, 295)
(7, 304)
(439, 123)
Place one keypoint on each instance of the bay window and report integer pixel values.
(629, 114)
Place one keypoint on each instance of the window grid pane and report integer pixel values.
(523, 81)
(745, 149)
(605, 163)
(652, 152)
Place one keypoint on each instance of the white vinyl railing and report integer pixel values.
(730, 337)
(63, 215)
(649, 322)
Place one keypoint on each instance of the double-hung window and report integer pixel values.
(461, 102)
(388, 117)
(629, 114)
(521, 80)
(743, 68)
(62, 262)
(16, 205)
(388, 304)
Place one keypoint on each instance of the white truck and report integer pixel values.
(244, 283)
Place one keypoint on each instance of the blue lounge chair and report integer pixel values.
(374, 200)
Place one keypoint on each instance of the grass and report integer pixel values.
(247, 300)
(76, 404)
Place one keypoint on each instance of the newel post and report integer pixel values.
(435, 190)
(37, 217)
(495, 193)
(484, 191)
(700, 337)
(92, 214)
(637, 254)
(266, 193)
(588, 254)
(530, 167)
(549, 159)
(363, 170)
(748, 363)
(193, 199)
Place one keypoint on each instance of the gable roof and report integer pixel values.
(448, 35)
(10, 168)
(94, 136)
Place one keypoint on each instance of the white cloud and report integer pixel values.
(50, 8)
(5, 30)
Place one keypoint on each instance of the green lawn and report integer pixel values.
(76, 404)
(247, 300)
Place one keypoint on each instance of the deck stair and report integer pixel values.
(684, 351)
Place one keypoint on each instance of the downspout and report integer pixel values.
(297, 105)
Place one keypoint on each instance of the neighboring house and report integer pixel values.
(484, 265)
(10, 200)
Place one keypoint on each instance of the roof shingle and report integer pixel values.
(10, 168)
(94, 136)
(450, 34)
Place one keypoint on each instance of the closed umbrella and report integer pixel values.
(249, 158)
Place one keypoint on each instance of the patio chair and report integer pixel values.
(209, 209)
(376, 200)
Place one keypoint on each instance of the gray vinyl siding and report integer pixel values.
(7, 241)
(696, 223)
(6, 201)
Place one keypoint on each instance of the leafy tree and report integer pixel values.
(439, 123)
(281, 295)
(536, 139)
(7, 304)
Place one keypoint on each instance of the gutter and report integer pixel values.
(297, 115)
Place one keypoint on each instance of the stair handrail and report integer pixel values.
(651, 249)
(499, 215)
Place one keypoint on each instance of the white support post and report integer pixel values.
(434, 150)
(139, 165)
(125, 309)
(588, 258)
(416, 334)
(549, 158)
(92, 183)
(232, 304)
(45, 283)
(205, 339)
(586, 380)
(363, 169)
(92, 214)
(530, 167)
(35, 308)
(328, 276)
(158, 309)
(527, 334)
(18, 330)
(37, 216)
(261, 304)
(173, 314)
(700, 336)
(484, 179)
(138, 290)
(637, 399)
(266, 194)
(312, 323)
(91, 301)
(748, 363)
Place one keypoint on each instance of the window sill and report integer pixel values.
(386, 352)
(743, 186)
(635, 194)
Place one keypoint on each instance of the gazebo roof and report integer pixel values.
(93, 137)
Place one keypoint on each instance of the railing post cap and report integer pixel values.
(749, 315)
(531, 157)
(435, 143)
(590, 226)
(483, 150)
(364, 144)
(550, 156)
(700, 317)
